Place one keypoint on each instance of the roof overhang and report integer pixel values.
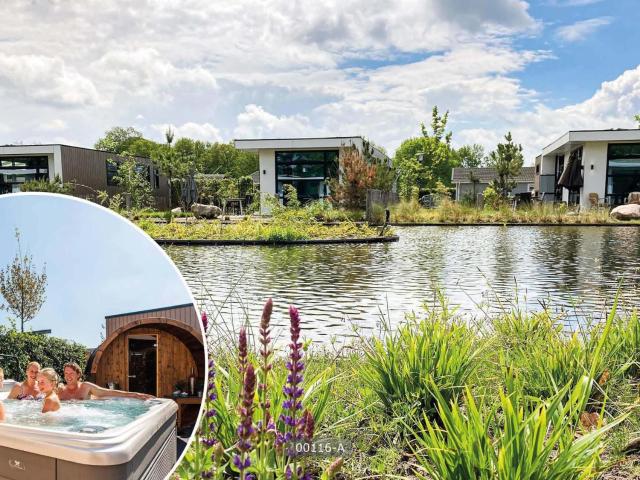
(27, 149)
(573, 139)
(255, 144)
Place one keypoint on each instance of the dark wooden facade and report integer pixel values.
(88, 169)
(180, 347)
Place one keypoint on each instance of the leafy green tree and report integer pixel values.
(507, 159)
(118, 140)
(637, 118)
(426, 162)
(22, 287)
(226, 159)
(470, 156)
(133, 178)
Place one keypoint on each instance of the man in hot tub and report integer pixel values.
(77, 390)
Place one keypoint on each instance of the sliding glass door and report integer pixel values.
(623, 171)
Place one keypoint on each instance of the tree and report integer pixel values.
(637, 118)
(507, 159)
(133, 178)
(356, 177)
(22, 287)
(425, 162)
(119, 140)
(470, 156)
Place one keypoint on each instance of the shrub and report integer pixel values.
(18, 349)
(404, 367)
(491, 198)
(44, 185)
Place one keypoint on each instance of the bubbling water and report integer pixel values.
(84, 416)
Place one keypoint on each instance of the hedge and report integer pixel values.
(18, 348)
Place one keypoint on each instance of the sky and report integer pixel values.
(219, 70)
(97, 264)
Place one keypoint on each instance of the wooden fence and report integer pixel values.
(377, 202)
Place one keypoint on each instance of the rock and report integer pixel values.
(205, 211)
(630, 211)
(177, 210)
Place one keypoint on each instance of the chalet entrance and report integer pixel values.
(143, 364)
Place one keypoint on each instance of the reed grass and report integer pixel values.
(449, 212)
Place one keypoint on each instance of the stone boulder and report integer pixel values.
(205, 211)
(176, 210)
(630, 211)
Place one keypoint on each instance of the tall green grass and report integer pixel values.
(512, 440)
(405, 366)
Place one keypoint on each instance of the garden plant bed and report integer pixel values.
(277, 231)
(569, 402)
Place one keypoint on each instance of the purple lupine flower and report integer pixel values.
(243, 354)
(205, 321)
(265, 353)
(294, 424)
(210, 413)
(245, 428)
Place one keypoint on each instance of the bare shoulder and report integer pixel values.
(51, 404)
(15, 390)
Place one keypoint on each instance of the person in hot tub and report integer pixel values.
(47, 381)
(27, 390)
(77, 390)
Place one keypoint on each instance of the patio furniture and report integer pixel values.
(634, 197)
(596, 201)
(236, 203)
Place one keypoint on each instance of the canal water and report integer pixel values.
(575, 271)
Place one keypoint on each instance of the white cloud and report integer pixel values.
(46, 79)
(255, 122)
(580, 30)
(199, 131)
(53, 125)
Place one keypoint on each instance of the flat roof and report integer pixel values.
(604, 135)
(37, 145)
(172, 307)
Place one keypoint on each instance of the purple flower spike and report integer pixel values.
(205, 321)
(245, 429)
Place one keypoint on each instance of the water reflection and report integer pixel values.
(575, 269)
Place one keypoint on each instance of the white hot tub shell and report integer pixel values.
(145, 449)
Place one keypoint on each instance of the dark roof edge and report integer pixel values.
(292, 138)
(173, 307)
(69, 146)
(569, 132)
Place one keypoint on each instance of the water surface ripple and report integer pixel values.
(575, 270)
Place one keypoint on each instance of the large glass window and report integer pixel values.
(623, 171)
(307, 170)
(14, 171)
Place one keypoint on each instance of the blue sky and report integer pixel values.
(97, 264)
(272, 68)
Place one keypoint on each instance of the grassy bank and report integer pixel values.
(286, 224)
(449, 212)
(256, 229)
(438, 398)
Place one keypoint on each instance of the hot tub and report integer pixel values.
(63, 447)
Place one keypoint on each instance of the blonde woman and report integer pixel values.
(47, 381)
(27, 390)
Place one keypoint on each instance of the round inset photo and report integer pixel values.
(101, 348)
